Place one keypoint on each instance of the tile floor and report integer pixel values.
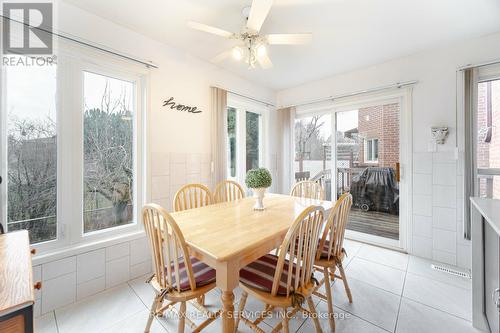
(393, 292)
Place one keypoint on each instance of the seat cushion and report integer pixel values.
(203, 274)
(260, 274)
(324, 251)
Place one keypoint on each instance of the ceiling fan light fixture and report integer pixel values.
(261, 50)
(237, 53)
(252, 48)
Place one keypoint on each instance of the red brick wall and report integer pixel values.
(495, 140)
(488, 154)
(483, 152)
(380, 122)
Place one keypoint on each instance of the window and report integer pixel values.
(245, 133)
(253, 124)
(108, 139)
(371, 150)
(231, 135)
(488, 139)
(31, 151)
(71, 151)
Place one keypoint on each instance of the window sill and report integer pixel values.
(56, 254)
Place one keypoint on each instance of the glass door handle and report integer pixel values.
(398, 172)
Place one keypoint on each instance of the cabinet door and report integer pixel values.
(491, 276)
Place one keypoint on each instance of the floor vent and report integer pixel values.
(452, 271)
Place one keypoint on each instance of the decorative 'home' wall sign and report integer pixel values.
(180, 107)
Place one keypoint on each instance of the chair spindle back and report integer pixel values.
(192, 196)
(168, 247)
(228, 190)
(333, 234)
(299, 247)
(308, 189)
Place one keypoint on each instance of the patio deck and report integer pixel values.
(374, 223)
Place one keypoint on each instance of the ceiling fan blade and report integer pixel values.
(258, 14)
(210, 29)
(288, 39)
(264, 61)
(221, 57)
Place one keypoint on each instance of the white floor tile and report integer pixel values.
(432, 301)
(439, 295)
(100, 311)
(216, 327)
(136, 323)
(143, 290)
(381, 276)
(422, 267)
(415, 318)
(372, 304)
(351, 247)
(170, 320)
(384, 256)
(253, 307)
(344, 323)
(46, 323)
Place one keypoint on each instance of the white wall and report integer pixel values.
(437, 176)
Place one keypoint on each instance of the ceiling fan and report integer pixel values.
(253, 47)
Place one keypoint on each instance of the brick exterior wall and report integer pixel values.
(488, 154)
(380, 122)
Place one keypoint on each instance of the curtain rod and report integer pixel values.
(247, 97)
(481, 64)
(361, 92)
(88, 44)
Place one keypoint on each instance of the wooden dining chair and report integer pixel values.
(331, 252)
(285, 281)
(228, 190)
(308, 189)
(178, 278)
(192, 196)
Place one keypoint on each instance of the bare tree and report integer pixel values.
(32, 177)
(108, 169)
(304, 132)
(108, 158)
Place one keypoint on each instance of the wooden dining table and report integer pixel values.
(228, 236)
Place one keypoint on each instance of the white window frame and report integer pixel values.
(242, 106)
(73, 61)
(367, 143)
(485, 74)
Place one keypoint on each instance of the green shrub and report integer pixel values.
(257, 178)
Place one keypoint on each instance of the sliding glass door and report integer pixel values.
(358, 147)
(367, 155)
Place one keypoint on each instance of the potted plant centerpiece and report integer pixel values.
(259, 180)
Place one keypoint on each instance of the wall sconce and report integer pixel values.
(439, 134)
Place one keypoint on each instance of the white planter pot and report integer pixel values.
(258, 193)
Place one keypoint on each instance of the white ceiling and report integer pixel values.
(347, 34)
